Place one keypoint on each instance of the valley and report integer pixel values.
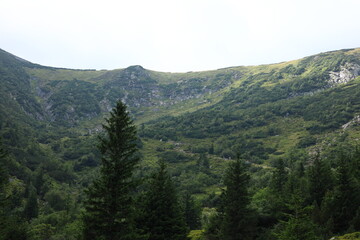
(195, 122)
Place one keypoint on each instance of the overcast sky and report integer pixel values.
(175, 36)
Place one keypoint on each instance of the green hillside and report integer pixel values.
(271, 109)
(196, 122)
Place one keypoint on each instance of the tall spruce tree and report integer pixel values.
(238, 221)
(192, 212)
(346, 196)
(299, 225)
(31, 209)
(279, 185)
(320, 180)
(279, 177)
(12, 226)
(109, 210)
(163, 218)
(4, 178)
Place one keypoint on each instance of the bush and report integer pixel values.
(174, 157)
(306, 141)
(350, 236)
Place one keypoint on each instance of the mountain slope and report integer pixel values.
(274, 107)
(258, 111)
(196, 122)
(146, 92)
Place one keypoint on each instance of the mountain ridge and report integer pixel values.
(191, 71)
(238, 100)
(196, 122)
(151, 94)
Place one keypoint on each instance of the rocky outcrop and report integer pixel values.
(347, 73)
(136, 88)
(353, 122)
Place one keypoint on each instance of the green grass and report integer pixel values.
(196, 234)
(64, 74)
(350, 236)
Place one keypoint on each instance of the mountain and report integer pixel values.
(144, 91)
(258, 111)
(194, 121)
(273, 107)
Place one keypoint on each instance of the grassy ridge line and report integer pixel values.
(207, 78)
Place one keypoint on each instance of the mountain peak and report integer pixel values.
(135, 68)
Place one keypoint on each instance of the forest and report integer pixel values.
(263, 152)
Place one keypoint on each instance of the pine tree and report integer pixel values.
(299, 225)
(279, 177)
(346, 196)
(31, 209)
(320, 180)
(279, 184)
(203, 163)
(238, 217)
(12, 226)
(39, 181)
(191, 212)
(162, 218)
(109, 212)
(211, 149)
(4, 177)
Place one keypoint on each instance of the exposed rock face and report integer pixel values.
(135, 87)
(354, 121)
(347, 73)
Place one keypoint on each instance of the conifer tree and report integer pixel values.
(355, 222)
(279, 184)
(12, 226)
(163, 218)
(203, 163)
(238, 221)
(299, 225)
(346, 196)
(191, 212)
(320, 180)
(39, 181)
(279, 177)
(4, 178)
(31, 209)
(109, 212)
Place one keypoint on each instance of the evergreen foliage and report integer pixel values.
(299, 225)
(235, 218)
(31, 208)
(39, 181)
(279, 185)
(109, 206)
(12, 225)
(162, 218)
(275, 115)
(279, 177)
(345, 199)
(4, 177)
(191, 212)
(238, 217)
(320, 180)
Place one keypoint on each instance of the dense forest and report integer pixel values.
(261, 152)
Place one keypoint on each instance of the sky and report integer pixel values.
(175, 36)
